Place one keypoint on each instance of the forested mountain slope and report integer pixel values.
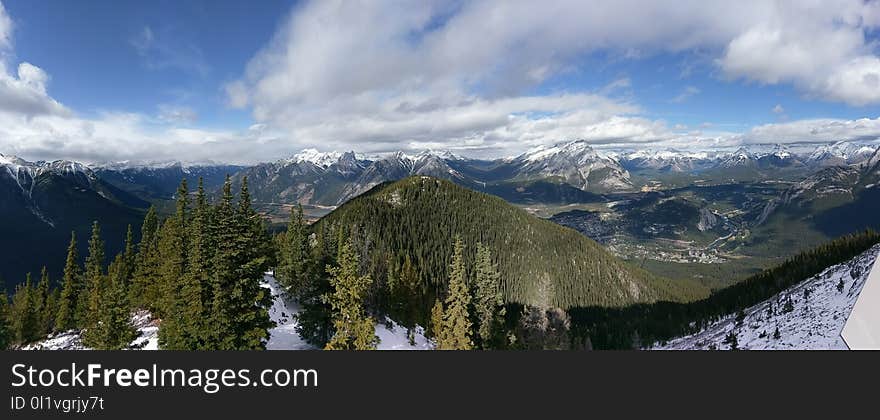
(541, 263)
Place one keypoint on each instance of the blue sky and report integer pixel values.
(89, 49)
(242, 81)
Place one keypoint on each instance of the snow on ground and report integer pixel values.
(285, 337)
(147, 339)
(819, 313)
(282, 337)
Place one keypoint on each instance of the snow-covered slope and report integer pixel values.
(819, 308)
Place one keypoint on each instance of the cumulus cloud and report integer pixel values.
(468, 76)
(25, 92)
(458, 74)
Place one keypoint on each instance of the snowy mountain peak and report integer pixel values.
(322, 159)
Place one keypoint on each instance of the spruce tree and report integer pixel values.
(196, 290)
(44, 305)
(23, 318)
(488, 301)
(355, 330)
(457, 320)
(90, 302)
(117, 331)
(240, 318)
(293, 261)
(67, 317)
(144, 291)
(95, 329)
(173, 247)
(438, 326)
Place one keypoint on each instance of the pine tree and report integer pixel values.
(776, 334)
(438, 326)
(90, 302)
(144, 291)
(293, 262)
(67, 317)
(488, 301)
(95, 329)
(23, 317)
(240, 318)
(457, 321)
(173, 247)
(196, 290)
(116, 322)
(44, 307)
(355, 330)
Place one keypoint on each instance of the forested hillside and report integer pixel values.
(539, 262)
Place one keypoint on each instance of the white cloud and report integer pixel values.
(778, 109)
(814, 131)
(176, 114)
(399, 74)
(25, 92)
(5, 30)
(411, 75)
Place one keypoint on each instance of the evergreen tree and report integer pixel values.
(95, 329)
(90, 302)
(355, 330)
(116, 327)
(457, 321)
(67, 316)
(438, 326)
(293, 261)
(776, 334)
(239, 307)
(5, 333)
(144, 291)
(173, 247)
(488, 300)
(196, 290)
(24, 318)
(44, 307)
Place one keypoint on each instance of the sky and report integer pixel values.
(245, 82)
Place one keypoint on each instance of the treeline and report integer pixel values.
(198, 271)
(641, 326)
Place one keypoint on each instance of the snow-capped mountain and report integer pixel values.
(806, 316)
(575, 163)
(780, 157)
(840, 153)
(741, 158)
(24, 173)
(42, 202)
(666, 160)
(322, 159)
